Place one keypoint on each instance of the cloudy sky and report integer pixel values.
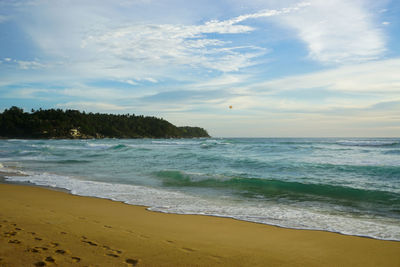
(288, 68)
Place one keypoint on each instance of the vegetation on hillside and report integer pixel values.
(57, 123)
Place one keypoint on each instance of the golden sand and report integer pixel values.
(48, 228)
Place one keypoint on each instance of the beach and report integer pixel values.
(42, 227)
(199, 133)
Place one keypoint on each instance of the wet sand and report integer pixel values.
(42, 227)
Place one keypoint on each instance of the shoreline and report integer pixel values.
(148, 208)
(196, 240)
(4, 181)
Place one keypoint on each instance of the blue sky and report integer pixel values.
(289, 68)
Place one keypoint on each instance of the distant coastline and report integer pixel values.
(73, 124)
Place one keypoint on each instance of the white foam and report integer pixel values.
(11, 170)
(367, 142)
(100, 146)
(263, 212)
(174, 142)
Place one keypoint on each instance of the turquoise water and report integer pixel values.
(351, 186)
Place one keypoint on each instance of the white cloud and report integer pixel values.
(149, 79)
(92, 106)
(136, 81)
(373, 77)
(230, 25)
(223, 81)
(102, 41)
(337, 31)
(25, 65)
(131, 82)
(174, 45)
(370, 89)
(92, 93)
(28, 93)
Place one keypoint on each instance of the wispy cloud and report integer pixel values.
(92, 106)
(188, 45)
(373, 77)
(337, 31)
(24, 64)
(29, 93)
(92, 93)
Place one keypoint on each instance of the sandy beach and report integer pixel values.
(41, 227)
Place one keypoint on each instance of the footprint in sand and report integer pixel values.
(76, 259)
(50, 259)
(54, 244)
(112, 250)
(15, 241)
(42, 248)
(61, 251)
(34, 250)
(40, 263)
(188, 249)
(217, 257)
(132, 262)
(9, 234)
(90, 243)
(112, 255)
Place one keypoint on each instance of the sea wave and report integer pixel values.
(72, 161)
(10, 169)
(255, 187)
(291, 182)
(171, 142)
(118, 147)
(369, 143)
(99, 145)
(169, 201)
(392, 152)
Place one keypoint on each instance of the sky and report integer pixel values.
(288, 68)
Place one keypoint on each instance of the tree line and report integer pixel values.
(57, 123)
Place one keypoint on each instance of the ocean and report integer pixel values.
(345, 185)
